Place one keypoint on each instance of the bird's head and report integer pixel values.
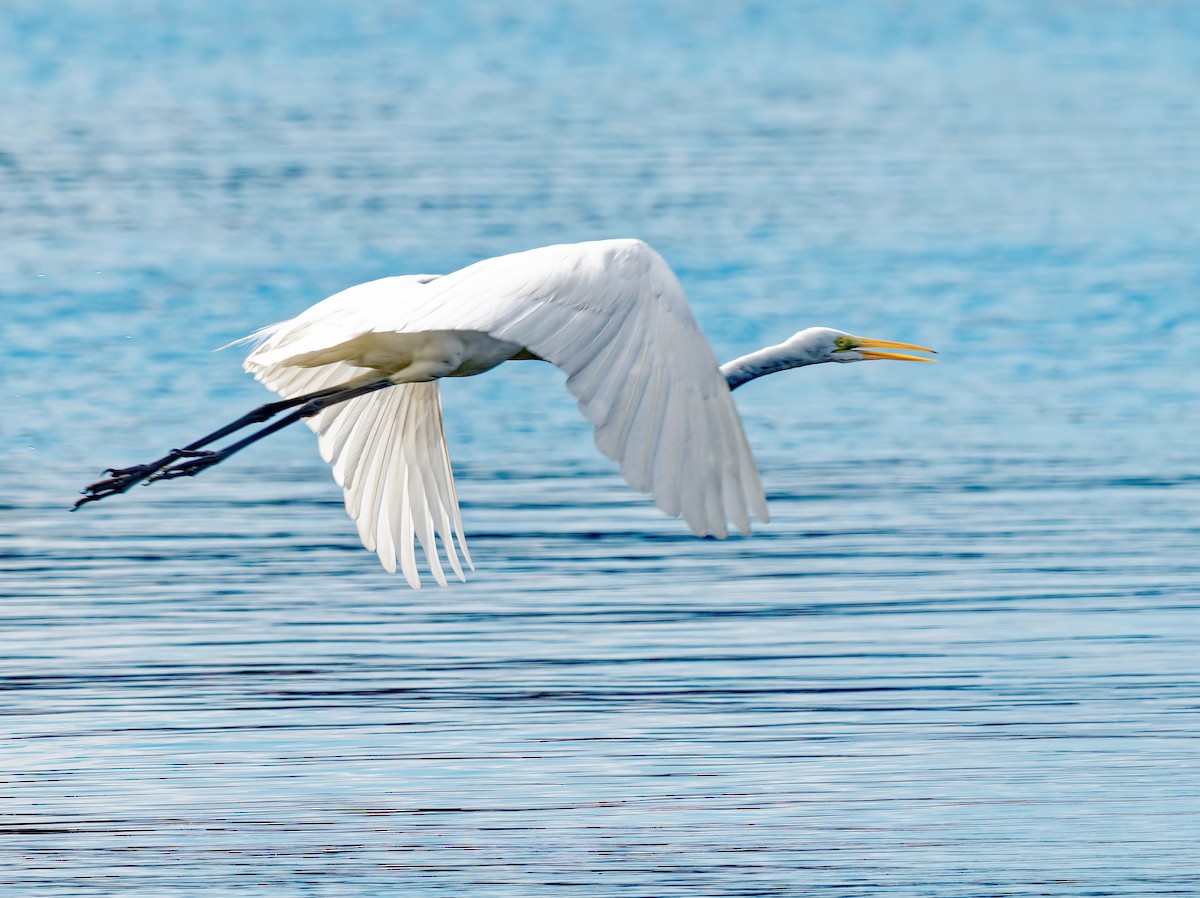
(824, 344)
(813, 346)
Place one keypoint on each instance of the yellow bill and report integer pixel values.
(866, 346)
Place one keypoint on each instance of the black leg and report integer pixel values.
(193, 458)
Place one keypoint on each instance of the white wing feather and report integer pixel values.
(389, 455)
(613, 316)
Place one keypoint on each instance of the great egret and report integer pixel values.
(610, 313)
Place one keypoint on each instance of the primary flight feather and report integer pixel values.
(361, 368)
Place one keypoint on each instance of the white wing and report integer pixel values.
(612, 315)
(389, 455)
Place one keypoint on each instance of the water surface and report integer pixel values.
(960, 661)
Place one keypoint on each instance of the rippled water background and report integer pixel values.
(963, 658)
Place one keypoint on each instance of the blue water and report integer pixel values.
(962, 660)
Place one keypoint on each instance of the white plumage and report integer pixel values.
(610, 313)
(362, 366)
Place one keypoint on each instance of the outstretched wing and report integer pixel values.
(389, 455)
(615, 318)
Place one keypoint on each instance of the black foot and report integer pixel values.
(124, 479)
(121, 480)
(124, 472)
(197, 462)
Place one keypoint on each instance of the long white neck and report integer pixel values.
(800, 350)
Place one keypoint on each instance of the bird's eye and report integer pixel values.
(843, 343)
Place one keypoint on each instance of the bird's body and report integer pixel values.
(610, 313)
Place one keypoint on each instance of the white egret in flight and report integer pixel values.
(361, 368)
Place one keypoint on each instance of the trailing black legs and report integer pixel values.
(194, 458)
